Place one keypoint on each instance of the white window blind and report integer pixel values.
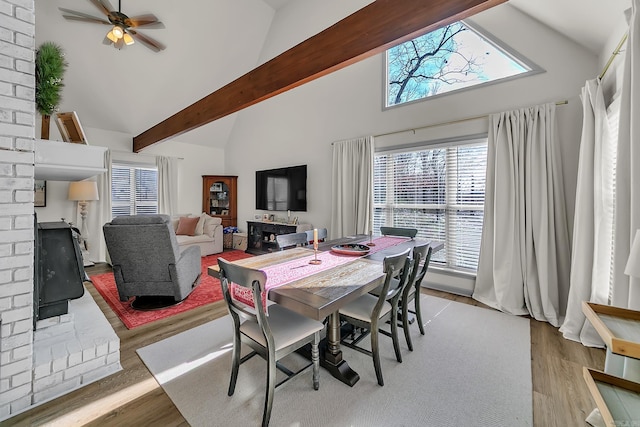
(439, 191)
(134, 190)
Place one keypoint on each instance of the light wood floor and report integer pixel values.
(132, 397)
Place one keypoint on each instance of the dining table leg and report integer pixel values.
(332, 358)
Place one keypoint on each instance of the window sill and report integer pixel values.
(453, 273)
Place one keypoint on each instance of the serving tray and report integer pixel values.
(351, 249)
(618, 327)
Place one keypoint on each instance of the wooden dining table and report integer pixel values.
(322, 293)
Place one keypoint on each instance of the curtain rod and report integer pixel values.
(613, 55)
(565, 102)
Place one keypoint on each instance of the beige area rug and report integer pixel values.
(472, 368)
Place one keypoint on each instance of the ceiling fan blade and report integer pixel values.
(103, 6)
(152, 44)
(147, 21)
(79, 16)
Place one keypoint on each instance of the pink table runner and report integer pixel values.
(290, 271)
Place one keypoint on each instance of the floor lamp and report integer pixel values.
(83, 192)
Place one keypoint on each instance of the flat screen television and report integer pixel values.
(283, 189)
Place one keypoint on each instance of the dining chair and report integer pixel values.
(291, 240)
(399, 231)
(322, 235)
(368, 312)
(272, 336)
(411, 292)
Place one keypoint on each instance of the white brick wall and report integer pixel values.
(73, 350)
(17, 130)
(34, 367)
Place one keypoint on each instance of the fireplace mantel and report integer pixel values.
(66, 161)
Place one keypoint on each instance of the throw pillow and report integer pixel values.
(187, 226)
(201, 219)
(210, 224)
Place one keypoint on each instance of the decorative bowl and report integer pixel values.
(351, 249)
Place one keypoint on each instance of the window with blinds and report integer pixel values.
(134, 190)
(439, 191)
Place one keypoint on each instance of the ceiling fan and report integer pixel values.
(124, 31)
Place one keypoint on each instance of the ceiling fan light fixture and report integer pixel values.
(128, 40)
(111, 36)
(117, 32)
(122, 29)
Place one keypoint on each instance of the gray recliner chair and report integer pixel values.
(147, 261)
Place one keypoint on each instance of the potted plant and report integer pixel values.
(50, 67)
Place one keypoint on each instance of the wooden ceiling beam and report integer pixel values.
(370, 30)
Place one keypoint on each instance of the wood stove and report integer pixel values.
(58, 269)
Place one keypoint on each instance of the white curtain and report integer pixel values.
(593, 219)
(524, 251)
(103, 209)
(167, 185)
(352, 187)
(626, 290)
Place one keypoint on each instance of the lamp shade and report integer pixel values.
(128, 40)
(83, 191)
(633, 263)
(117, 32)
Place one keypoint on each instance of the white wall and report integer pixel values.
(196, 160)
(298, 126)
(612, 80)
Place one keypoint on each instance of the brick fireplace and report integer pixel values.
(64, 352)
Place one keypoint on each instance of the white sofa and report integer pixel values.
(208, 234)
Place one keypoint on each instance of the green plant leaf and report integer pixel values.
(50, 67)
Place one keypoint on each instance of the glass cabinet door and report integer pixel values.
(219, 199)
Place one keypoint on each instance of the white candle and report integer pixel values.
(315, 237)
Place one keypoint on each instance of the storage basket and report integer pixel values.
(227, 240)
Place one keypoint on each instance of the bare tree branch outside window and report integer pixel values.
(447, 59)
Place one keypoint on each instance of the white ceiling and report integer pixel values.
(587, 22)
(277, 4)
(209, 44)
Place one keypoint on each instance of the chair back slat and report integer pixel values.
(425, 258)
(291, 240)
(322, 235)
(246, 278)
(420, 253)
(399, 231)
(395, 266)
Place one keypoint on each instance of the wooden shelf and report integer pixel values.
(617, 399)
(618, 327)
(66, 161)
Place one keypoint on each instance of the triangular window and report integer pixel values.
(451, 58)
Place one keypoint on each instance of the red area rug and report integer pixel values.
(206, 292)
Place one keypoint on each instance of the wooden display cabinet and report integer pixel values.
(219, 198)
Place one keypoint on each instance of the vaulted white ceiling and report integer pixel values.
(587, 22)
(209, 44)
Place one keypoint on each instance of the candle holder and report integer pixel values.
(371, 239)
(315, 260)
